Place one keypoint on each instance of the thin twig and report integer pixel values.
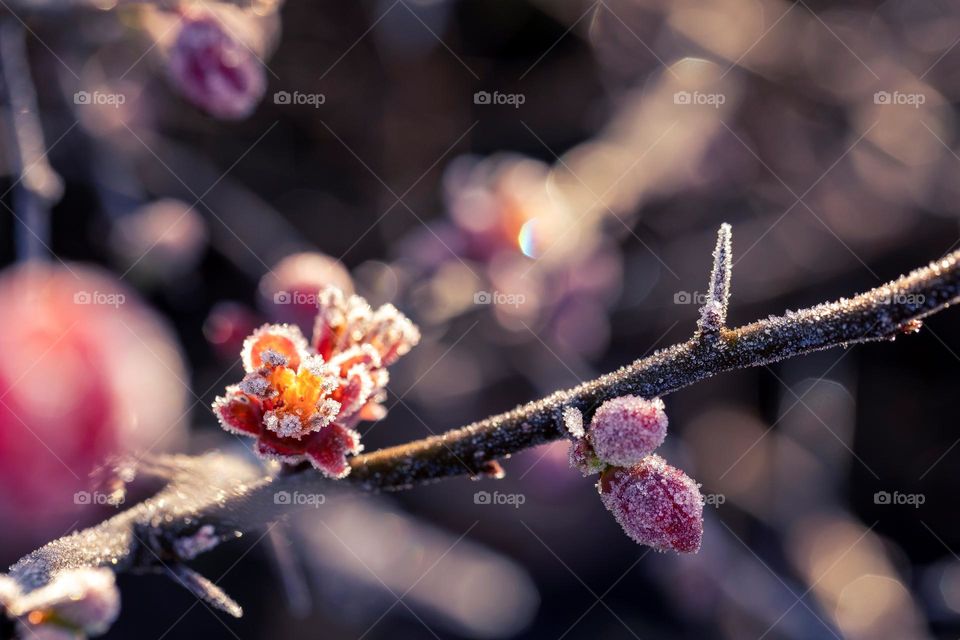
(36, 185)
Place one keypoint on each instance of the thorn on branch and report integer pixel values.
(713, 313)
(204, 589)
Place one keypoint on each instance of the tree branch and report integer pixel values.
(218, 497)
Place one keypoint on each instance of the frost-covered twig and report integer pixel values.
(218, 497)
(36, 185)
(713, 313)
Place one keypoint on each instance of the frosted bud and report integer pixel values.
(656, 504)
(84, 600)
(626, 429)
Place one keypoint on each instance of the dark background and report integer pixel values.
(799, 517)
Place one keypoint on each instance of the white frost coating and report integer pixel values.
(713, 314)
(573, 421)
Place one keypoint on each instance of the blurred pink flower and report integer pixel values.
(87, 371)
(214, 69)
(288, 293)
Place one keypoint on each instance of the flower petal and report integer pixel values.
(328, 449)
(283, 339)
(238, 412)
(272, 446)
(330, 322)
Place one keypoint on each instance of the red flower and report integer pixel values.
(302, 401)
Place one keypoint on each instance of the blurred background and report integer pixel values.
(538, 185)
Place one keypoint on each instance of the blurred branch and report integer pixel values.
(36, 186)
(216, 497)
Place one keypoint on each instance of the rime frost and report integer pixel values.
(656, 504)
(626, 429)
(573, 421)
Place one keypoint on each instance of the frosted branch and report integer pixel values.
(218, 497)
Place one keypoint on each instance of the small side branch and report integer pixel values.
(713, 313)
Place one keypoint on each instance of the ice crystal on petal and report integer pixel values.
(626, 429)
(268, 342)
(573, 421)
(656, 504)
(255, 384)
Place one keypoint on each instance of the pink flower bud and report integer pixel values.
(213, 69)
(656, 504)
(626, 429)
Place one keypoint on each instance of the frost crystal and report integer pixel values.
(626, 429)
(656, 504)
(573, 420)
(301, 400)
